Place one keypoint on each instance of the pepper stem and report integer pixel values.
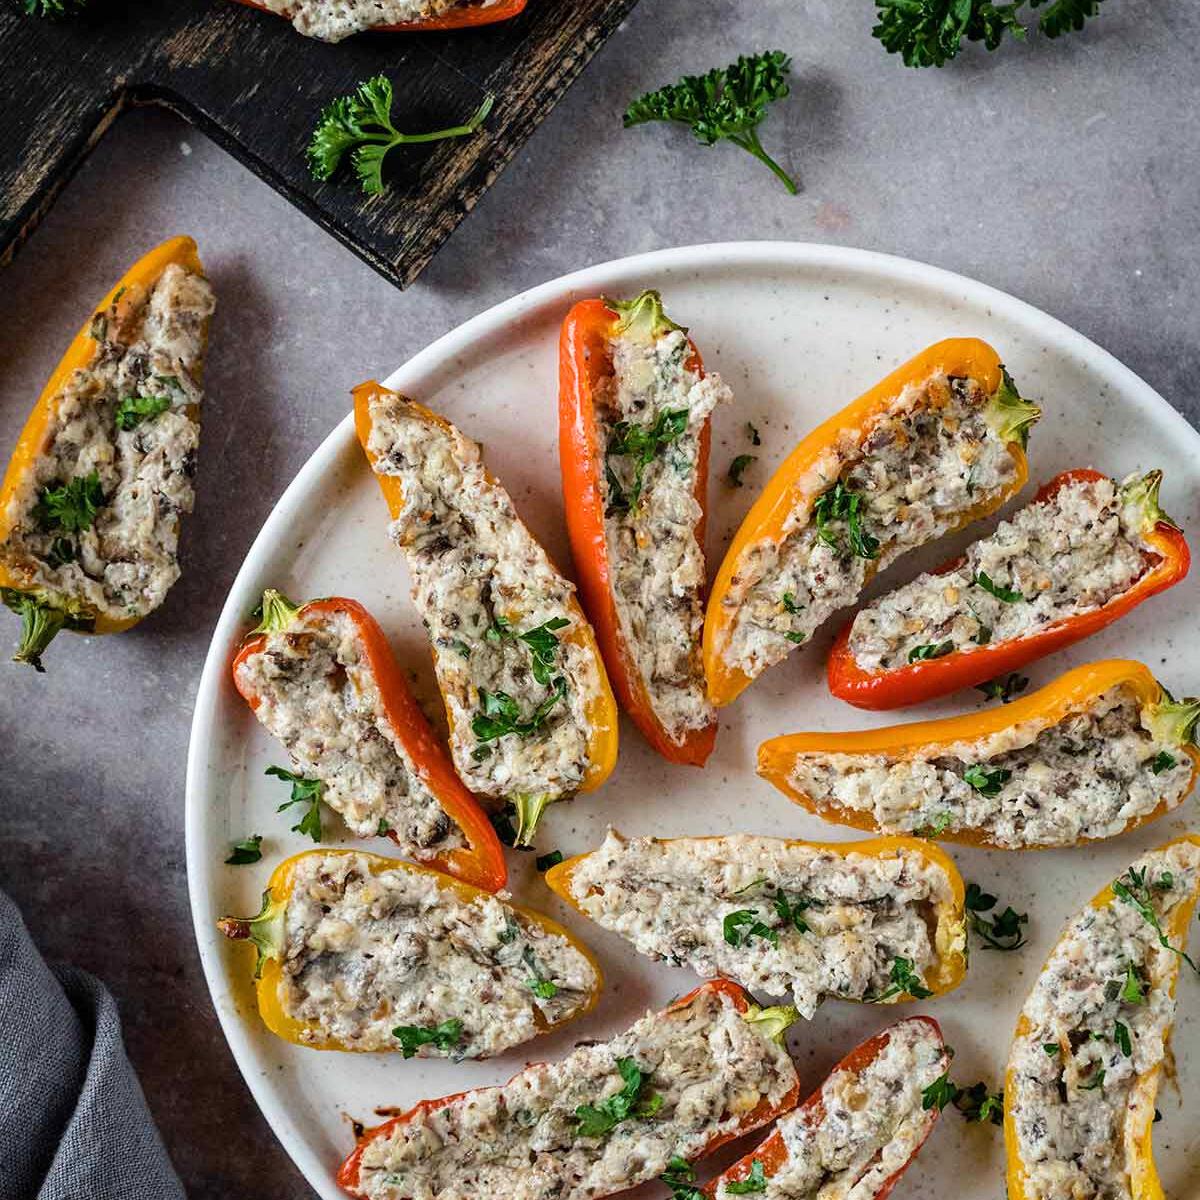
(278, 612)
(772, 1022)
(41, 621)
(1173, 721)
(1008, 416)
(529, 811)
(265, 930)
(642, 318)
(1141, 495)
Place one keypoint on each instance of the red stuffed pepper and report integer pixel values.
(1084, 553)
(323, 20)
(634, 437)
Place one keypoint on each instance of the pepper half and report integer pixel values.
(1135, 1133)
(584, 361)
(266, 933)
(601, 710)
(771, 1156)
(803, 478)
(916, 682)
(482, 863)
(462, 16)
(1071, 692)
(44, 613)
(774, 1022)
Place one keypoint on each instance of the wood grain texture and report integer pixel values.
(255, 86)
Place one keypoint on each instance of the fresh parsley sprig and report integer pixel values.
(1004, 687)
(756, 1181)
(304, 791)
(1005, 595)
(445, 1036)
(71, 506)
(930, 650)
(360, 125)
(248, 850)
(841, 503)
(499, 714)
(134, 409)
(726, 104)
(1002, 932)
(641, 444)
(740, 926)
(543, 645)
(905, 981)
(681, 1179)
(53, 8)
(633, 1100)
(986, 783)
(1134, 889)
(978, 1103)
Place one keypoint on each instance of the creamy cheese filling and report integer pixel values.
(1031, 784)
(367, 953)
(776, 917)
(866, 1125)
(1055, 559)
(492, 604)
(656, 561)
(922, 464)
(1098, 1018)
(319, 697)
(704, 1069)
(129, 418)
(333, 20)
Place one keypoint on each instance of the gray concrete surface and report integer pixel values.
(1068, 174)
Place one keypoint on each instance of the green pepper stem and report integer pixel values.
(1141, 494)
(278, 612)
(529, 811)
(265, 930)
(642, 318)
(1009, 416)
(41, 620)
(1173, 721)
(772, 1022)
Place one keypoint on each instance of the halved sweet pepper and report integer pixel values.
(464, 15)
(928, 678)
(788, 503)
(600, 708)
(44, 612)
(772, 1022)
(861, 1165)
(1170, 722)
(482, 861)
(1092, 1040)
(584, 360)
(266, 932)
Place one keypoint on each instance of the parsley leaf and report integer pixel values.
(930, 650)
(72, 506)
(939, 1093)
(544, 862)
(1133, 989)
(537, 983)
(641, 444)
(905, 982)
(739, 927)
(756, 1181)
(1096, 1081)
(753, 434)
(543, 647)
(985, 782)
(1163, 761)
(738, 467)
(1133, 889)
(53, 8)
(596, 1120)
(791, 911)
(248, 850)
(445, 1036)
(680, 1178)
(840, 503)
(1004, 687)
(133, 410)
(361, 125)
(304, 791)
(726, 104)
(499, 713)
(1004, 594)
(978, 1103)
(1000, 933)
(1121, 1037)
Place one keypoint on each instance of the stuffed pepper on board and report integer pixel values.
(879, 921)
(91, 500)
(608, 1117)
(1085, 552)
(634, 435)
(322, 678)
(1092, 1039)
(532, 718)
(936, 445)
(859, 1132)
(333, 20)
(1092, 755)
(359, 952)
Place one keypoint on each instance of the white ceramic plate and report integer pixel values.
(798, 331)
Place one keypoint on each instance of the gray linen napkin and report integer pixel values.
(73, 1120)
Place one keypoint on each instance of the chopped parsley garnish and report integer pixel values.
(633, 1100)
(739, 927)
(791, 912)
(753, 435)
(543, 645)
(738, 467)
(499, 714)
(71, 506)
(304, 791)
(1133, 889)
(1051, 1048)
(1004, 687)
(248, 850)
(445, 1036)
(726, 104)
(985, 782)
(756, 1181)
(361, 125)
(681, 1178)
(1096, 1081)
(1133, 989)
(642, 444)
(938, 825)
(133, 410)
(930, 650)
(1163, 761)
(979, 1103)
(790, 605)
(796, 639)
(1121, 1037)
(905, 982)
(840, 503)
(384, 827)
(544, 862)
(939, 1093)
(999, 933)
(1004, 594)
(537, 983)
(53, 8)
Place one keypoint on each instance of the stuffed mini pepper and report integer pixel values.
(878, 921)
(1092, 1040)
(936, 445)
(321, 677)
(359, 952)
(532, 718)
(333, 20)
(608, 1117)
(1085, 552)
(1092, 755)
(859, 1132)
(91, 501)
(634, 435)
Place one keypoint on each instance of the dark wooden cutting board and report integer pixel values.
(254, 85)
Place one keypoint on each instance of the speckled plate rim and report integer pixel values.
(889, 271)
